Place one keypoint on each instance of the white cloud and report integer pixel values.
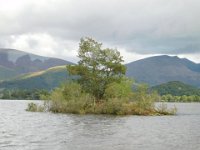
(44, 44)
(193, 57)
(37, 43)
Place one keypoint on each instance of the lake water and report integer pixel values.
(21, 130)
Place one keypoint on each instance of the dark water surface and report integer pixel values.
(21, 130)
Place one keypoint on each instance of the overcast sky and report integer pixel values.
(137, 28)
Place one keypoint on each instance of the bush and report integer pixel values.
(119, 99)
(163, 110)
(119, 90)
(70, 99)
(34, 107)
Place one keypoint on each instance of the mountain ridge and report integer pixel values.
(152, 70)
(160, 69)
(22, 62)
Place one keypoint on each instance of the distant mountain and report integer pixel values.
(18, 62)
(161, 69)
(46, 79)
(176, 88)
(153, 70)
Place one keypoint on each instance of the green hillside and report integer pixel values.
(176, 88)
(6, 73)
(47, 79)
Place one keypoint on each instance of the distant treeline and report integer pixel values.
(176, 91)
(183, 98)
(20, 94)
(169, 92)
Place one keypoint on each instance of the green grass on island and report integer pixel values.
(101, 87)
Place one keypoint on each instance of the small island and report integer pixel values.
(98, 85)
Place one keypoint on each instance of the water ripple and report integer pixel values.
(21, 130)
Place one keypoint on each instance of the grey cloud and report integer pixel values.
(142, 26)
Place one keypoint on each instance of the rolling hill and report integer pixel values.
(46, 79)
(14, 62)
(176, 88)
(161, 69)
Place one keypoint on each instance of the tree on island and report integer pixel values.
(97, 67)
(101, 87)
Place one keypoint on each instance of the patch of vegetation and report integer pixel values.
(35, 108)
(183, 98)
(101, 87)
(71, 98)
(18, 94)
(176, 88)
(162, 109)
(176, 91)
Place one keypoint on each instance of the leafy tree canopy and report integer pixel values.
(98, 67)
